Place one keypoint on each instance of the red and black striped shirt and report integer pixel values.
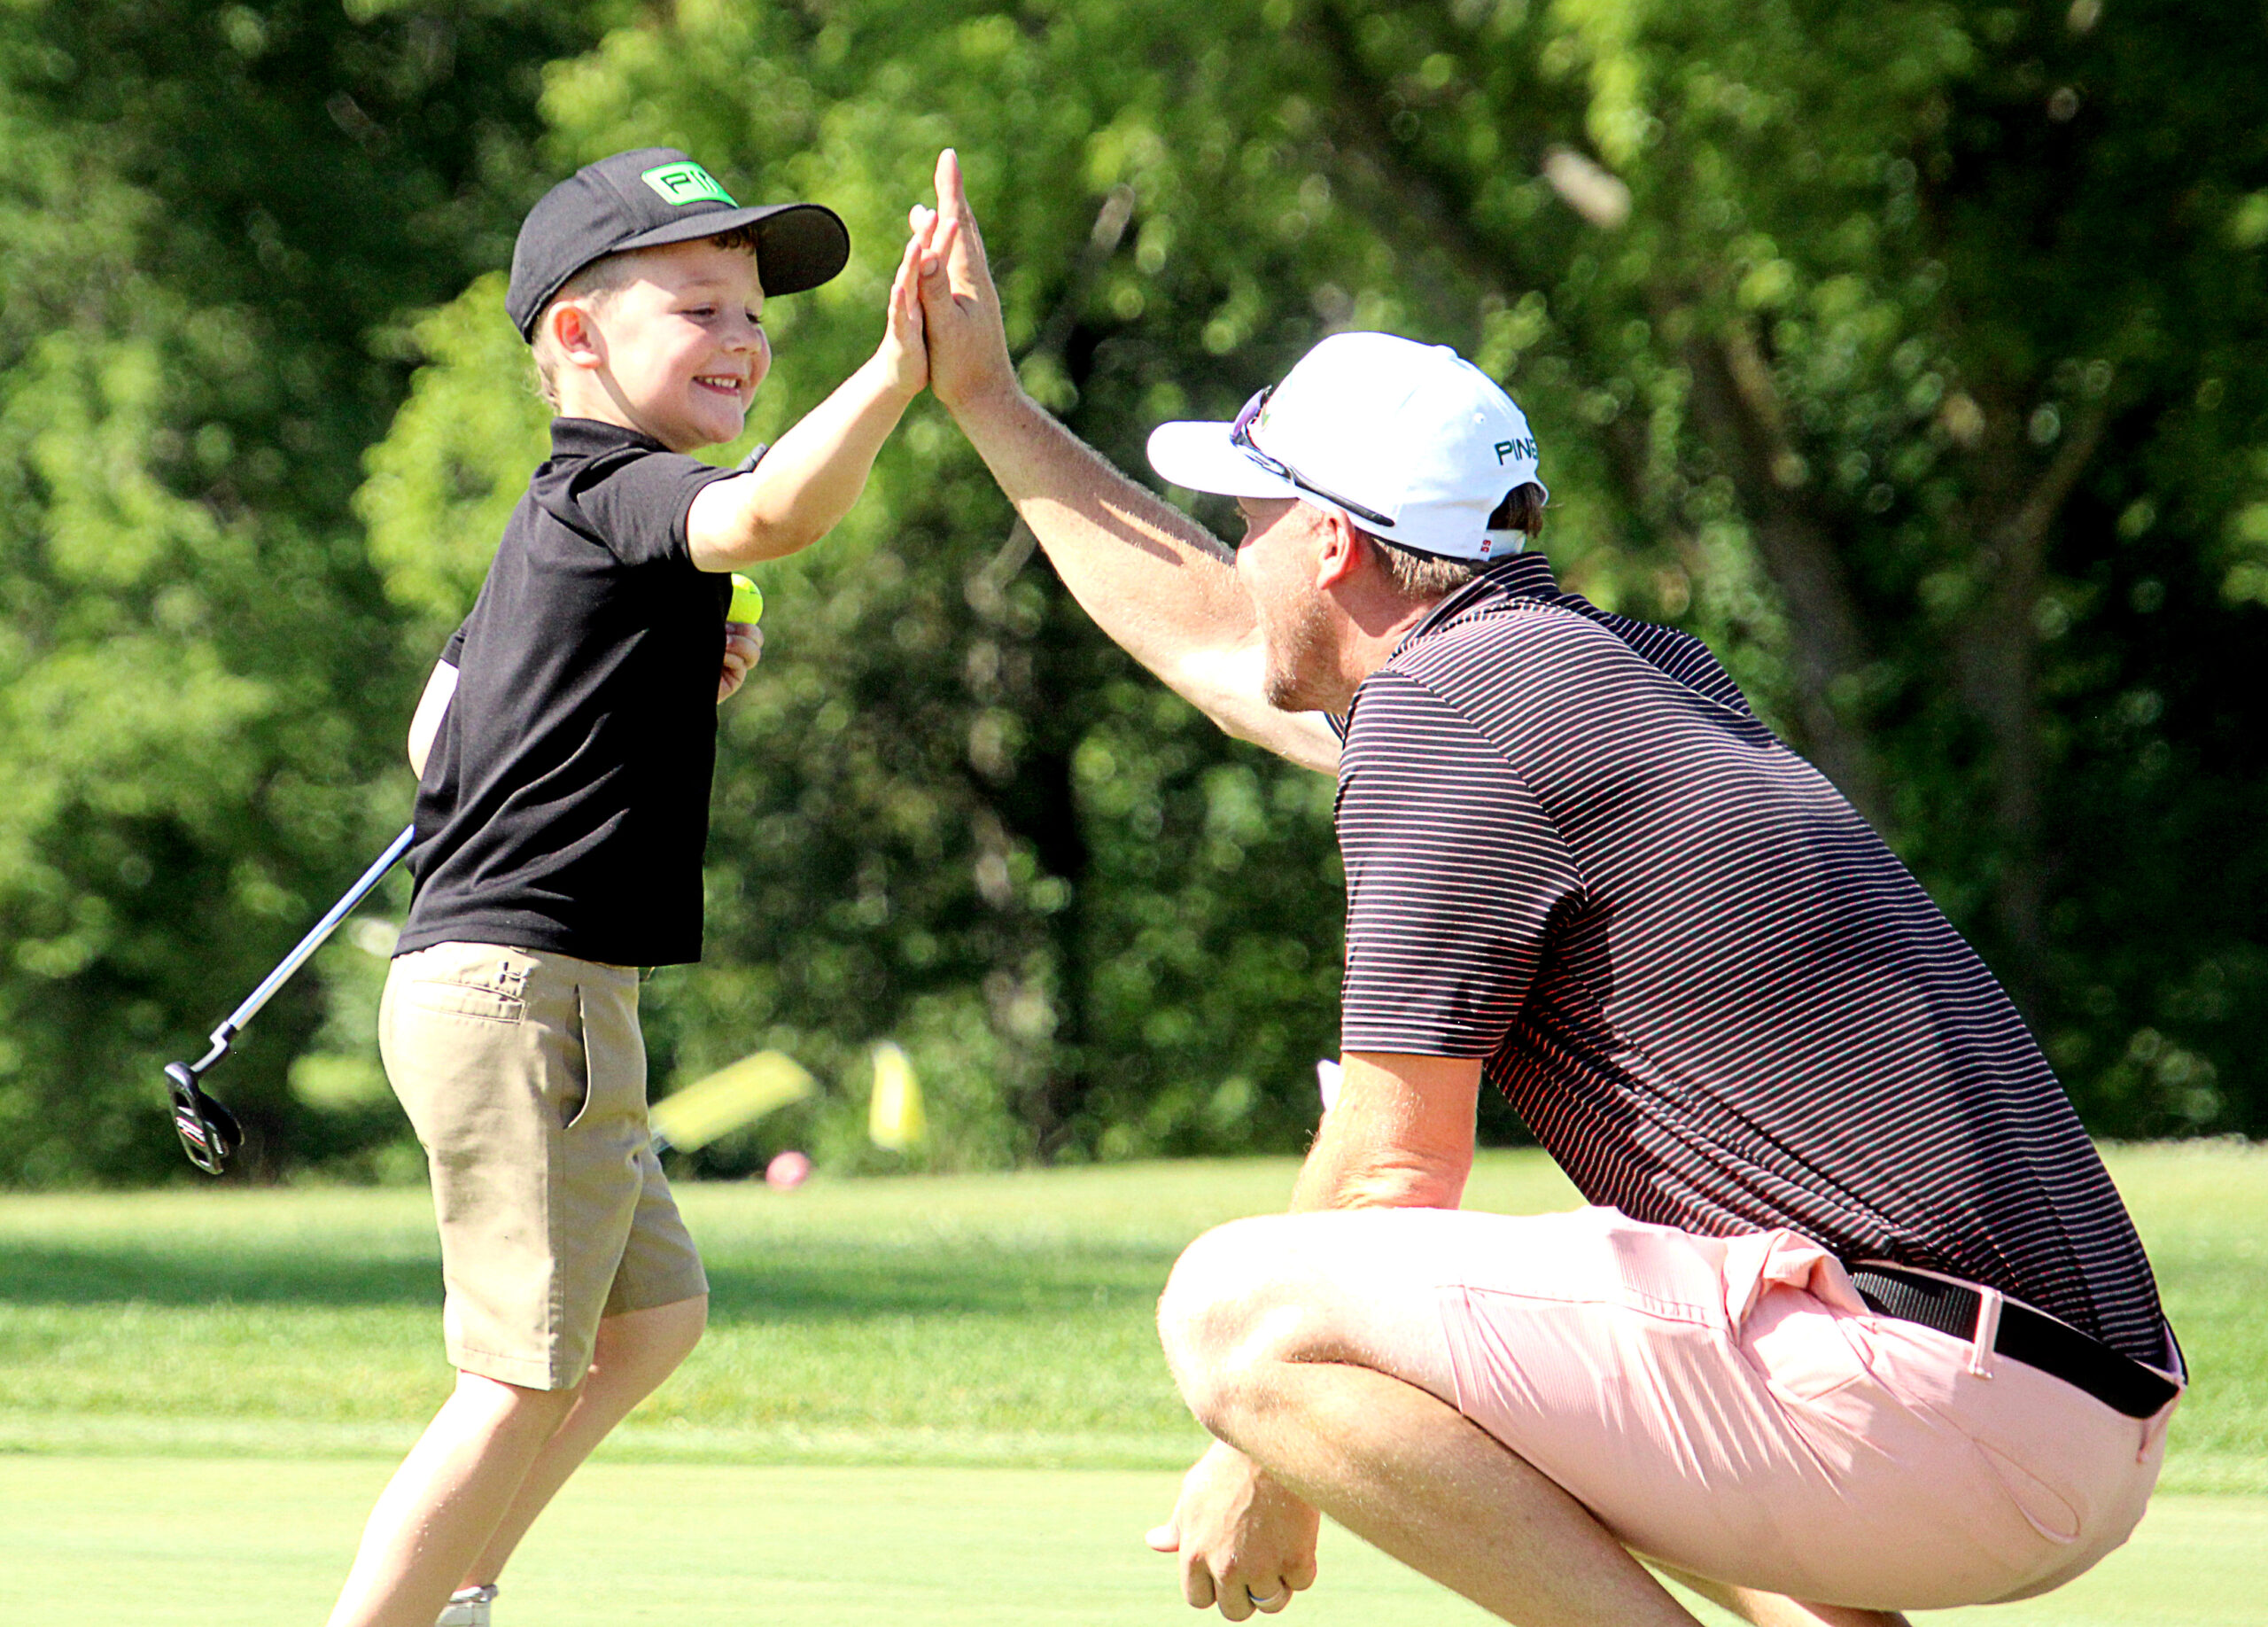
(1710, 990)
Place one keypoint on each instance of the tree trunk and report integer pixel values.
(1737, 410)
(1995, 656)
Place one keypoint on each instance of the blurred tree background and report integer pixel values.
(1908, 355)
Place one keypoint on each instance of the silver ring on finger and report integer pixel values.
(1258, 1603)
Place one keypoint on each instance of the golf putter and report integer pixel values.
(209, 1132)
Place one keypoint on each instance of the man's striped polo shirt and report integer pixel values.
(1705, 982)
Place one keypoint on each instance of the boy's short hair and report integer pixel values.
(595, 284)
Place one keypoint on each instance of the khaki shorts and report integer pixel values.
(524, 1076)
(1729, 1405)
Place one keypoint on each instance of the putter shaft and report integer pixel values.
(307, 945)
(209, 1132)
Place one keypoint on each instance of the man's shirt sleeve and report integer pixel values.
(1455, 877)
(637, 501)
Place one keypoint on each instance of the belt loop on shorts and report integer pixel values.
(2003, 1327)
(1989, 1301)
(2153, 1432)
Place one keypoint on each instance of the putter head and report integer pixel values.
(209, 1132)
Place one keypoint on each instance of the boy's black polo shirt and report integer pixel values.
(565, 800)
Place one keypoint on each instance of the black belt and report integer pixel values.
(2055, 1348)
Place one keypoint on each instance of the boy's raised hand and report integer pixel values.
(904, 350)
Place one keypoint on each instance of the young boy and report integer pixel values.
(565, 748)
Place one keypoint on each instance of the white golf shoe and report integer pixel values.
(468, 1606)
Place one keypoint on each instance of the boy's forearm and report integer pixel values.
(806, 482)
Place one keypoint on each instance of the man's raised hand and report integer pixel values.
(968, 347)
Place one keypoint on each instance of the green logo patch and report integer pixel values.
(684, 184)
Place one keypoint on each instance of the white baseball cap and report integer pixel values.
(1411, 442)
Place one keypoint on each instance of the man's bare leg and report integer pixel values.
(635, 1352)
(1773, 1610)
(1274, 1353)
(441, 1506)
(1410, 1475)
(1416, 1479)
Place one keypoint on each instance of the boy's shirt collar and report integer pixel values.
(589, 437)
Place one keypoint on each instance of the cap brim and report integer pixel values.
(799, 245)
(1200, 457)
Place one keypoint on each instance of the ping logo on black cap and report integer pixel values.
(687, 183)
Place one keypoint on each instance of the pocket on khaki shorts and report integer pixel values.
(461, 999)
(582, 1096)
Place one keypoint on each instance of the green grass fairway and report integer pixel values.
(935, 1400)
(178, 1542)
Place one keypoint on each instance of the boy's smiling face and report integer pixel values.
(676, 352)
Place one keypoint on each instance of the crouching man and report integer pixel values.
(1856, 1322)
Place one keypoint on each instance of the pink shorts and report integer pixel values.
(1730, 1406)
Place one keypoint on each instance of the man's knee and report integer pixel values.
(1341, 1287)
(1227, 1312)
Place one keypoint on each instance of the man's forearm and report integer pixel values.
(1338, 1176)
(1162, 587)
(1400, 1137)
(1150, 576)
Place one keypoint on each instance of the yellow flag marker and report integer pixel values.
(727, 1099)
(895, 1120)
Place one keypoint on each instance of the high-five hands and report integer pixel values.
(943, 331)
(1245, 1543)
(968, 347)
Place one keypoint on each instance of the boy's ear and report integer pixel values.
(576, 333)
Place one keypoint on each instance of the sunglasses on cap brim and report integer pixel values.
(1240, 438)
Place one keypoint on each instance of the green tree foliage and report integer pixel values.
(212, 216)
(1898, 351)
(1931, 313)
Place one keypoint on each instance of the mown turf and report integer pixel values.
(184, 1542)
(928, 1400)
(982, 1320)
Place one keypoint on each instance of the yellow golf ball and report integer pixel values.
(747, 601)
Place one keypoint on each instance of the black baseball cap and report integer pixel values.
(654, 196)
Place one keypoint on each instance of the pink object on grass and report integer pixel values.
(787, 1171)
